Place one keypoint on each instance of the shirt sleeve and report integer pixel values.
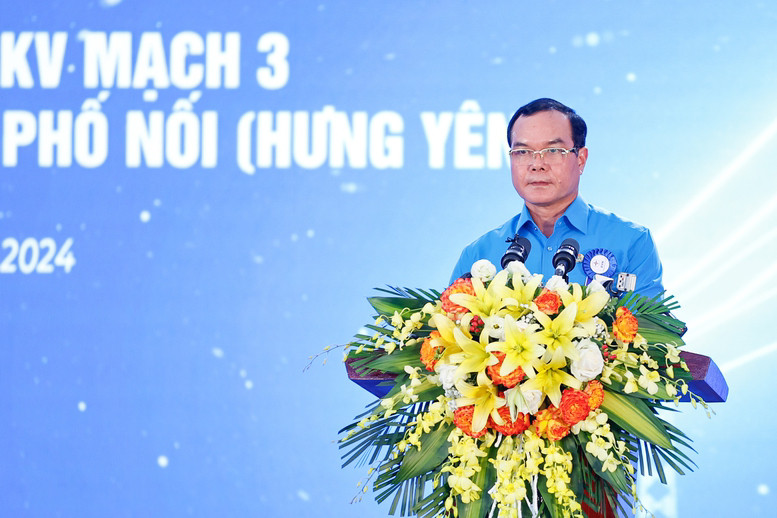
(645, 264)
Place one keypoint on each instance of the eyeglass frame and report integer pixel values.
(512, 152)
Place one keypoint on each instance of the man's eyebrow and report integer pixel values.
(547, 143)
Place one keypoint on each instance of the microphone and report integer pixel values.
(517, 251)
(565, 258)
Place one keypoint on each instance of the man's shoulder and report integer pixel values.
(490, 245)
(499, 233)
(601, 219)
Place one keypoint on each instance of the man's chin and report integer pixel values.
(539, 197)
(546, 199)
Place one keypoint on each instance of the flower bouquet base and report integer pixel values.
(507, 397)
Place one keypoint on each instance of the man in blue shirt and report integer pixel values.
(547, 158)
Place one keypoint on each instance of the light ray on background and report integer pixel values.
(719, 181)
(719, 253)
(750, 357)
(741, 302)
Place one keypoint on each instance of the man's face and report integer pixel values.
(538, 183)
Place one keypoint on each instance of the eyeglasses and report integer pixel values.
(550, 155)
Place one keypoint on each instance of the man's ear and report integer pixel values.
(582, 158)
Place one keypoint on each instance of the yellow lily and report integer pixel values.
(558, 333)
(519, 348)
(473, 356)
(446, 327)
(485, 398)
(587, 308)
(486, 301)
(550, 376)
(521, 295)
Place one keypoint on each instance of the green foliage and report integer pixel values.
(386, 306)
(435, 450)
(549, 503)
(636, 417)
(396, 361)
(407, 475)
(618, 479)
(412, 479)
(401, 298)
(655, 310)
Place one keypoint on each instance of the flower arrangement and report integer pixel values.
(512, 398)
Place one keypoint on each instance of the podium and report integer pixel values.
(707, 381)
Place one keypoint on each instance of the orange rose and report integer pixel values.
(458, 286)
(574, 406)
(595, 391)
(462, 417)
(508, 381)
(510, 427)
(429, 352)
(625, 325)
(550, 424)
(548, 301)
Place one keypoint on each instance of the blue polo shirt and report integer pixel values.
(598, 231)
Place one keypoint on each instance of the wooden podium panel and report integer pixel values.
(707, 383)
(376, 383)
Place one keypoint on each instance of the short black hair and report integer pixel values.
(579, 129)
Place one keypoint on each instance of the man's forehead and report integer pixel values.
(545, 127)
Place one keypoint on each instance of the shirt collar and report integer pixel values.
(576, 215)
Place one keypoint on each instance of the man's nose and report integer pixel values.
(537, 161)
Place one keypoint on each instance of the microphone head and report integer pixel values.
(570, 244)
(517, 251)
(566, 256)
